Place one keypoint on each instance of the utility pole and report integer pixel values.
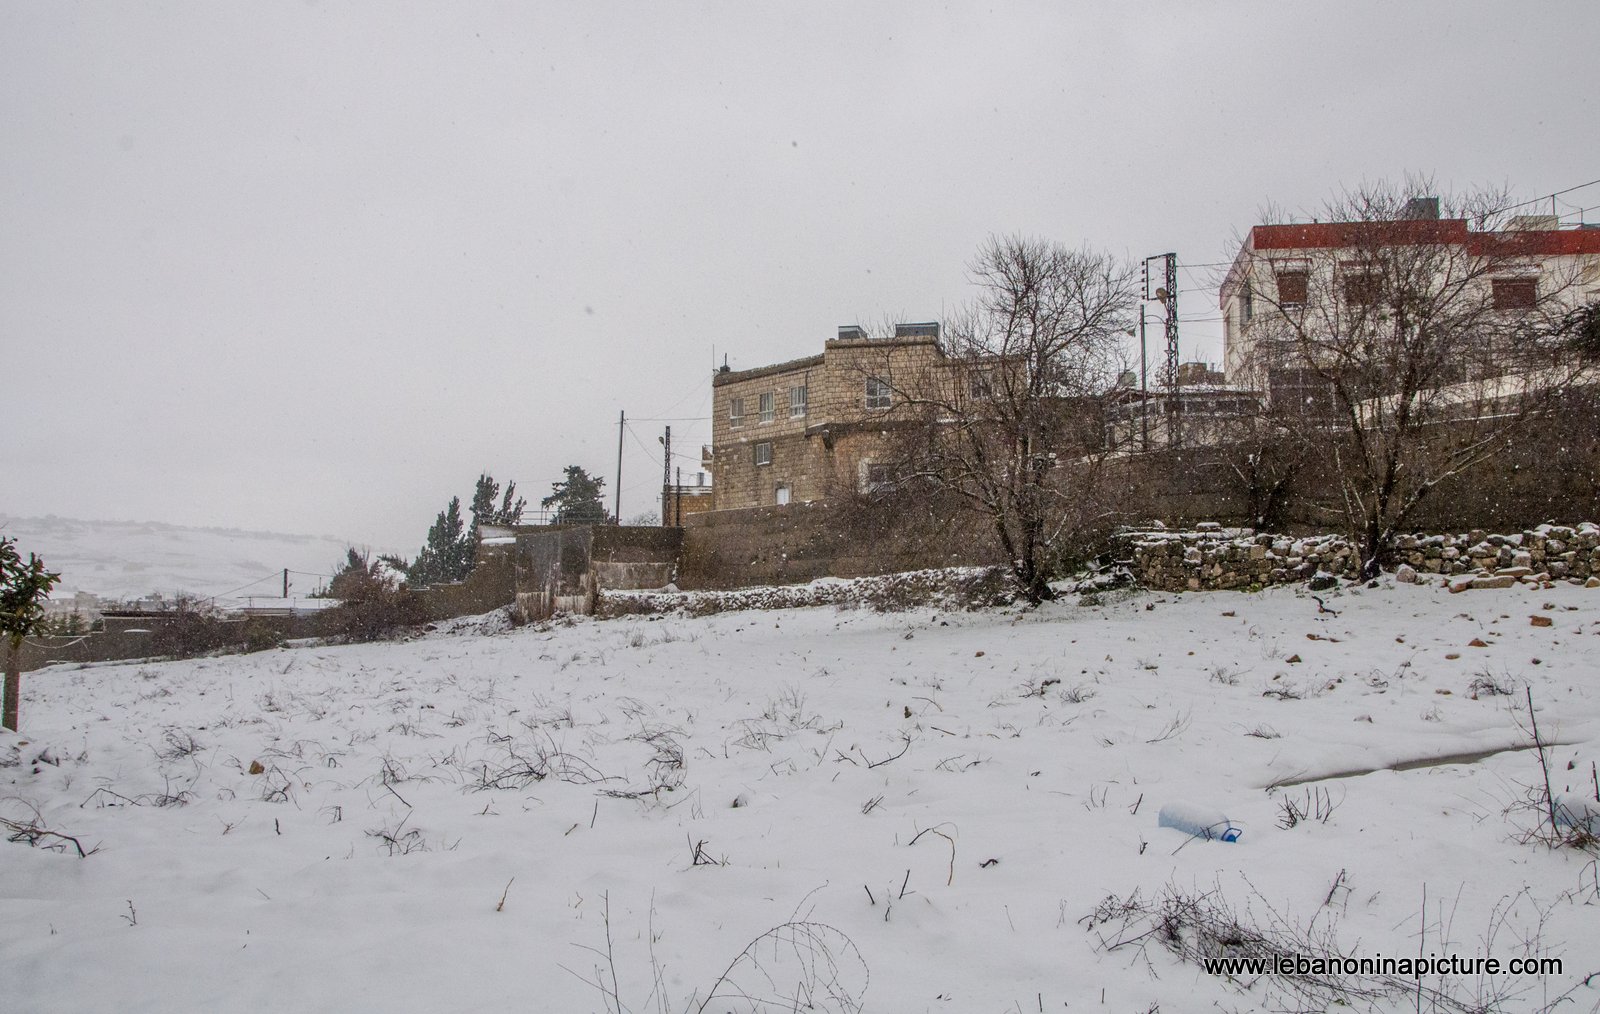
(286, 582)
(1168, 295)
(677, 501)
(666, 477)
(1144, 388)
(1175, 437)
(622, 423)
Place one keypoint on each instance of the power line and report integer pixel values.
(642, 445)
(252, 584)
(1558, 193)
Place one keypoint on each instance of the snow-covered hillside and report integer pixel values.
(909, 812)
(121, 559)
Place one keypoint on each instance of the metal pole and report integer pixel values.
(666, 476)
(622, 422)
(1144, 387)
(677, 501)
(1174, 418)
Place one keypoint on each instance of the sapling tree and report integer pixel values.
(24, 588)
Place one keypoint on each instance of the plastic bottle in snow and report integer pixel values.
(1199, 821)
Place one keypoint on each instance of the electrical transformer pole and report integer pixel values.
(1169, 370)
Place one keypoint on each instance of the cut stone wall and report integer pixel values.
(1551, 471)
(803, 542)
(1213, 557)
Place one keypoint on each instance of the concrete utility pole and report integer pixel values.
(286, 582)
(622, 423)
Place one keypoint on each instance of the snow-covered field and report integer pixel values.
(125, 559)
(910, 811)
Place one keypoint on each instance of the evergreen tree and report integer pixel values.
(483, 504)
(447, 555)
(484, 511)
(576, 498)
(511, 507)
(356, 570)
(24, 589)
(452, 547)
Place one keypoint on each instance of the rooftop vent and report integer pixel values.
(851, 332)
(1422, 207)
(925, 330)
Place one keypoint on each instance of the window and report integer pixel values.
(1247, 306)
(879, 478)
(780, 496)
(797, 402)
(1361, 286)
(763, 453)
(735, 412)
(878, 394)
(980, 385)
(768, 411)
(1292, 286)
(1515, 293)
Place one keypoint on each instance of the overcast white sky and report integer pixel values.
(311, 267)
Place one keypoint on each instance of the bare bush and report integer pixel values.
(1202, 928)
(27, 828)
(1486, 684)
(1317, 805)
(399, 840)
(1077, 694)
(177, 744)
(524, 764)
(794, 966)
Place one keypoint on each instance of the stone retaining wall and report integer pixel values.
(1213, 557)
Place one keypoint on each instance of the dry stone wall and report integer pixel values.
(1212, 557)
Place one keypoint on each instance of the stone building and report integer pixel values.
(791, 432)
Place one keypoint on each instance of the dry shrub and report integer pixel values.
(192, 628)
(374, 608)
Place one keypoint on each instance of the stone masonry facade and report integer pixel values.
(1213, 557)
(791, 432)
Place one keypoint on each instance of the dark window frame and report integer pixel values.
(1294, 286)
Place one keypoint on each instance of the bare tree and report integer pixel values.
(1405, 338)
(1006, 424)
